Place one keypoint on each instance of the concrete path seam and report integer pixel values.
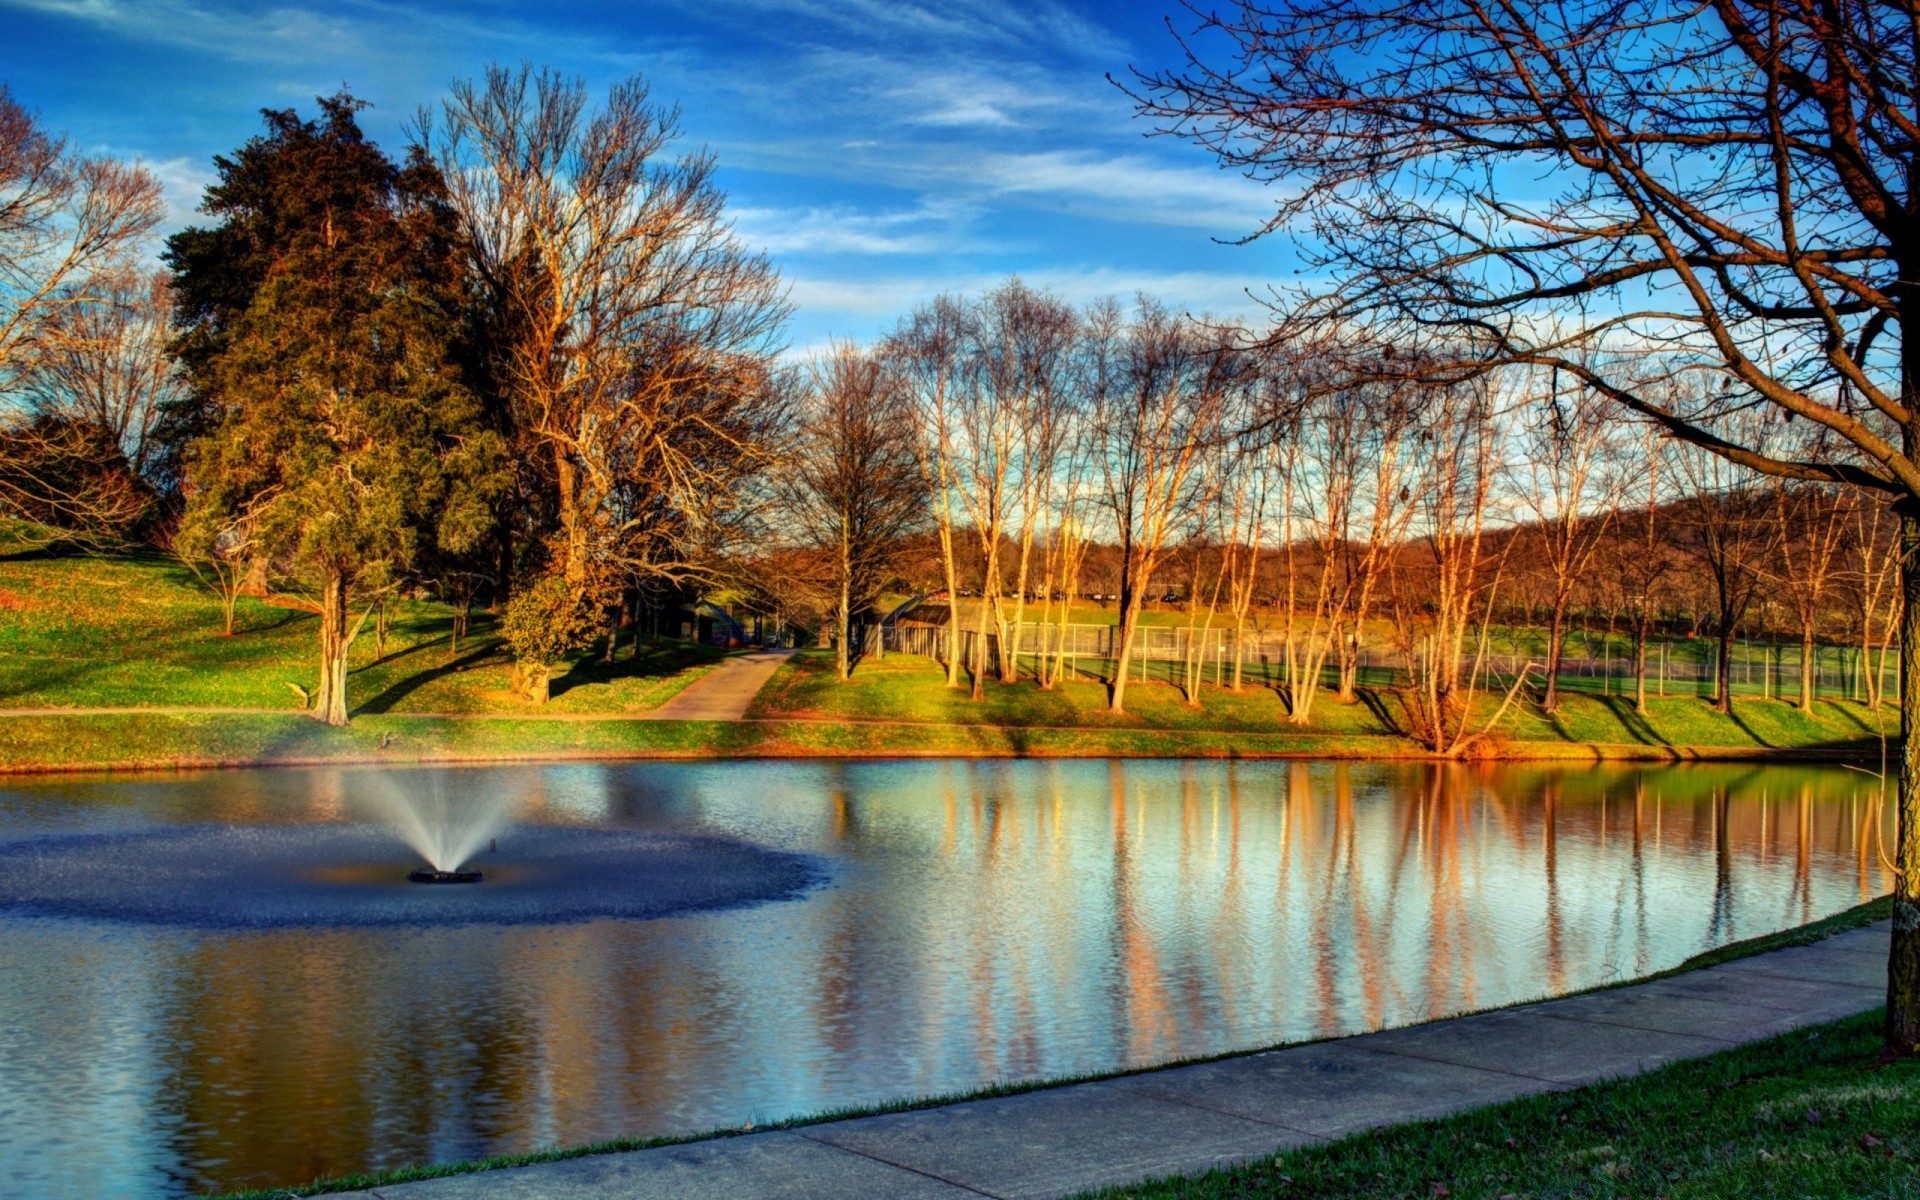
(1550, 1084)
(924, 1174)
(1119, 1085)
(1643, 1028)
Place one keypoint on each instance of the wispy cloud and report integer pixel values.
(881, 150)
(925, 229)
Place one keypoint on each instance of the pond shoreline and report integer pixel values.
(53, 741)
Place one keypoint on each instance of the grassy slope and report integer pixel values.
(140, 631)
(906, 688)
(1250, 1180)
(95, 631)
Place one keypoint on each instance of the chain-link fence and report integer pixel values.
(1675, 666)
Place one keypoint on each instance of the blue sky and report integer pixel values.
(881, 151)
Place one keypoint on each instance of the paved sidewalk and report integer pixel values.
(723, 693)
(1185, 1120)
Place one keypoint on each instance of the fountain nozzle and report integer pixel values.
(429, 875)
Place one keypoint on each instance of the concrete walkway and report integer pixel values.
(723, 693)
(1186, 1120)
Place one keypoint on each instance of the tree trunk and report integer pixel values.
(572, 520)
(1640, 665)
(1129, 618)
(843, 616)
(1723, 668)
(988, 604)
(1556, 634)
(1903, 961)
(534, 679)
(330, 701)
(1806, 669)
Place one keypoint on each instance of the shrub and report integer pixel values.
(543, 624)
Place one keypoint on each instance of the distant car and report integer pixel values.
(1170, 598)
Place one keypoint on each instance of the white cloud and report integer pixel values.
(925, 229)
(1131, 188)
(275, 33)
(183, 181)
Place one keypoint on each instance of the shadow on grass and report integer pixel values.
(1733, 714)
(1633, 721)
(1380, 710)
(406, 685)
(652, 663)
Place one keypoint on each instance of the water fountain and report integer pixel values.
(445, 831)
(352, 872)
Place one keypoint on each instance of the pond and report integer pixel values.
(170, 1023)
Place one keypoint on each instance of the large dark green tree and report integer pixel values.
(319, 322)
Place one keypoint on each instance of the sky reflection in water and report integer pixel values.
(986, 921)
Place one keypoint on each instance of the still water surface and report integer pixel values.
(977, 921)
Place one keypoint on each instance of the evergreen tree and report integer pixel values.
(318, 325)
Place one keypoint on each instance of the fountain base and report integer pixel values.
(429, 875)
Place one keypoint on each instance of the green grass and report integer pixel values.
(167, 740)
(1853, 918)
(139, 631)
(1810, 1113)
(94, 631)
(908, 688)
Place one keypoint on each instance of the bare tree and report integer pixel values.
(103, 361)
(1875, 578)
(1811, 521)
(69, 225)
(1436, 610)
(1030, 340)
(1728, 534)
(852, 482)
(628, 329)
(1160, 389)
(1567, 486)
(1732, 182)
(1644, 556)
(926, 352)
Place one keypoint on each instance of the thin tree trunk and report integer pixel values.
(1640, 665)
(843, 616)
(1010, 642)
(1129, 619)
(988, 605)
(1903, 962)
(1806, 669)
(1556, 632)
(1723, 668)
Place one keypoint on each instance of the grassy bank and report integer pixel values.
(908, 688)
(132, 741)
(1856, 1034)
(899, 709)
(137, 630)
(1810, 1113)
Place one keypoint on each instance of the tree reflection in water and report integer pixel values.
(991, 921)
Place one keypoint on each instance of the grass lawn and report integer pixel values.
(88, 631)
(907, 688)
(139, 631)
(1811, 1113)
